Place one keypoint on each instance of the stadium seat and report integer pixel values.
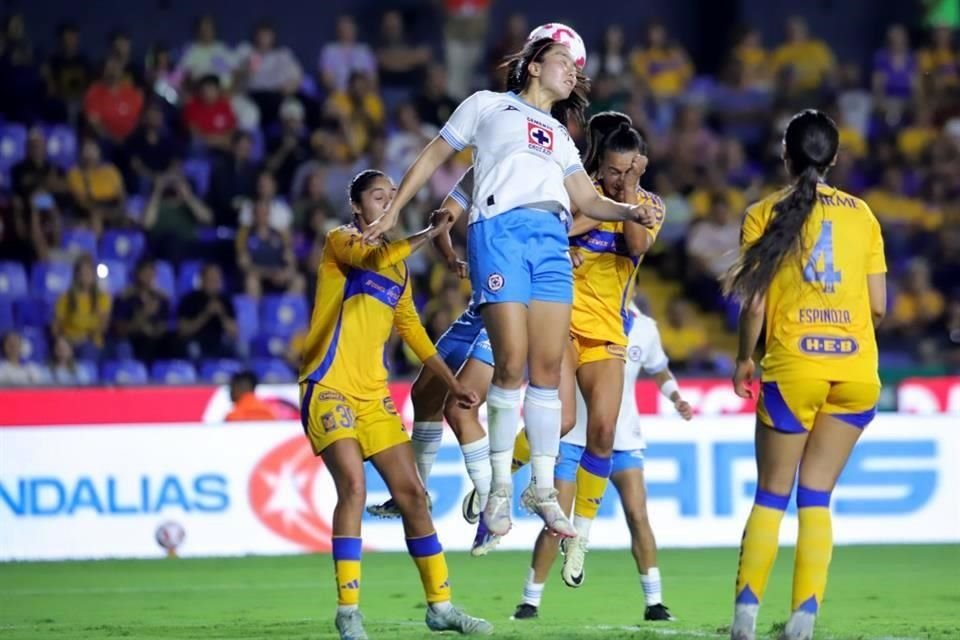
(247, 320)
(188, 279)
(122, 372)
(51, 279)
(257, 145)
(87, 372)
(197, 171)
(219, 371)
(273, 371)
(115, 280)
(13, 280)
(34, 347)
(13, 144)
(173, 372)
(33, 312)
(80, 241)
(126, 246)
(6, 314)
(62, 146)
(265, 345)
(165, 280)
(135, 207)
(283, 315)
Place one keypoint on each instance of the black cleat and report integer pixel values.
(658, 612)
(525, 612)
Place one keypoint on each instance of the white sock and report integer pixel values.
(651, 586)
(441, 607)
(583, 526)
(503, 417)
(347, 608)
(541, 416)
(426, 439)
(532, 592)
(477, 457)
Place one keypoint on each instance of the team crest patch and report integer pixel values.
(616, 350)
(389, 407)
(634, 354)
(329, 421)
(495, 282)
(539, 137)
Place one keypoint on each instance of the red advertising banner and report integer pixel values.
(929, 395)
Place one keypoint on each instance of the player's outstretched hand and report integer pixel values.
(743, 378)
(645, 215)
(459, 267)
(684, 409)
(576, 258)
(466, 399)
(378, 227)
(441, 220)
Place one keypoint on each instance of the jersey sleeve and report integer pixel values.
(654, 357)
(876, 262)
(461, 129)
(752, 227)
(652, 199)
(462, 193)
(349, 248)
(410, 329)
(569, 157)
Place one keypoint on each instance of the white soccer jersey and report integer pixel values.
(644, 352)
(521, 154)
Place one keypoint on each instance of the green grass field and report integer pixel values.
(875, 592)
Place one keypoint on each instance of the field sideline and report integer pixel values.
(875, 592)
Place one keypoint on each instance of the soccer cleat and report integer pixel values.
(388, 509)
(744, 625)
(574, 555)
(496, 515)
(471, 507)
(484, 542)
(549, 510)
(350, 625)
(453, 619)
(525, 612)
(799, 626)
(658, 613)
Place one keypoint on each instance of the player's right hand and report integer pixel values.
(466, 399)
(459, 267)
(576, 258)
(743, 378)
(378, 227)
(441, 219)
(645, 215)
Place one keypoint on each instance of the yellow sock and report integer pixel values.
(592, 475)
(814, 549)
(758, 549)
(432, 565)
(346, 563)
(521, 450)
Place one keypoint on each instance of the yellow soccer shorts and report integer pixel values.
(328, 416)
(591, 350)
(792, 406)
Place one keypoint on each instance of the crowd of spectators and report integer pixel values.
(163, 210)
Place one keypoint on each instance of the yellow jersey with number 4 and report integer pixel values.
(818, 320)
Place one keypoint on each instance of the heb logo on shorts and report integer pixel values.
(828, 345)
(539, 137)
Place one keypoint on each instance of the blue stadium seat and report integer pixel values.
(6, 314)
(273, 371)
(33, 312)
(122, 372)
(13, 280)
(80, 241)
(51, 279)
(258, 145)
(135, 207)
(126, 246)
(115, 280)
(173, 372)
(165, 280)
(247, 320)
(62, 146)
(188, 279)
(197, 171)
(283, 315)
(265, 345)
(219, 371)
(13, 144)
(35, 347)
(87, 372)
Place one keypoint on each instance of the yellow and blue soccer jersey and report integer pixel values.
(363, 292)
(819, 324)
(603, 284)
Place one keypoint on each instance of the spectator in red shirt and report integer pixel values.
(112, 106)
(209, 115)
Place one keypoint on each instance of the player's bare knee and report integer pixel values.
(411, 500)
(508, 372)
(352, 490)
(600, 437)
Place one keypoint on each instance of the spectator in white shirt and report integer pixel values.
(271, 68)
(340, 58)
(13, 371)
(281, 215)
(206, 55)
(712, 246)
(410, 137)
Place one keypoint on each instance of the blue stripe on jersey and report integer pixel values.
(361, 281)
(452, 138)
(602, 242)
(460, 198)
(572, 169)
(328, 357)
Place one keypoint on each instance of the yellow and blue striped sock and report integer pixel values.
(346, 562)
(758, 548)
(592, 476)
(814, 549)
(521, 451)
(432, 565)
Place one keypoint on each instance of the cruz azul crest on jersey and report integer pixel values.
(539, 136)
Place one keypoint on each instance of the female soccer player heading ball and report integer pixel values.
(527, 171)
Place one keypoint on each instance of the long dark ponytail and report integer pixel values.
(810, 142)
(610, 131)
(574, 108)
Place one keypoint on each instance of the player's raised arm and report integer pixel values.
(585, 198)
(456, 202)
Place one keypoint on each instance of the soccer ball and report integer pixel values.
(170, 535)
(565, 36)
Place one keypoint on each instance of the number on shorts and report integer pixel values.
(346, 416)
(829, 277)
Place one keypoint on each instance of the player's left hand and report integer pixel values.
(466, 399)
(459, 267)
(684, 409)
(645, 215)
(631, 179)
(743, 378)
(576, 258)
